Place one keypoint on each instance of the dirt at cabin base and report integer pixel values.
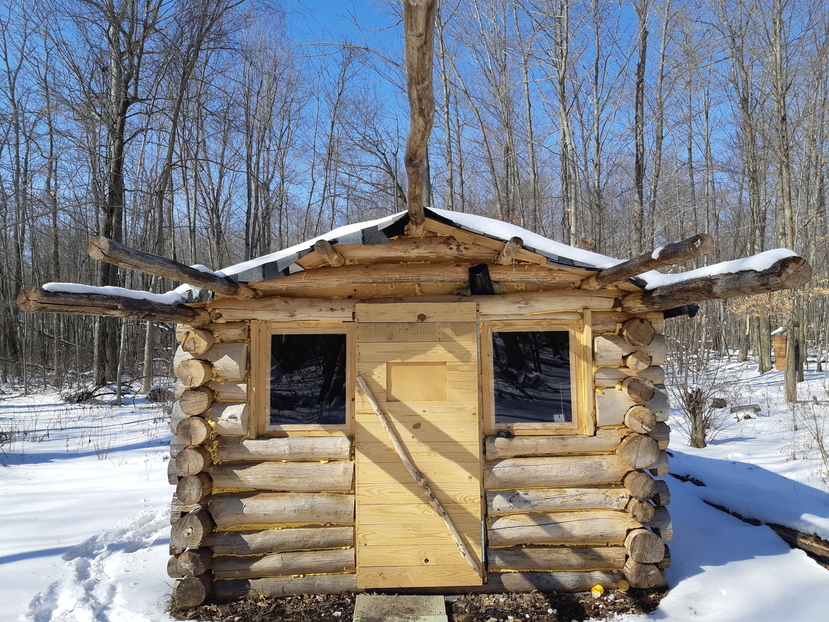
(532, 606)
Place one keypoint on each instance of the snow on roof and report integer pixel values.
(169, 298)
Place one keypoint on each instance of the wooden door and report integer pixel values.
(421, 364)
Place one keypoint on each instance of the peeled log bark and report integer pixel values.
(644, 575)
(638, 332)
(549, 581)
(554, 471)
(281, 564)
(107, 250)
(193, 431)
(190, 530)
(279, 540)
(597, 526)
(786, 273)
(289, 448)
(195, 401)
(192, 460)
(192, 591)
(275, 508)
(34, 300)
(555, 499)
(286, 476)
(640, 485)
(644, 546)
(194, 489)
(191, 563)
(638, 451)
(557, 558)
(194, 372)
(640, 419)
(638, 389)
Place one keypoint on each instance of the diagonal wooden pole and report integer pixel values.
(419, 477)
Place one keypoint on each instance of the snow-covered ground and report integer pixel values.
(85, 512)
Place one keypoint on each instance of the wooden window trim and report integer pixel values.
(260, 334)
(581, 375)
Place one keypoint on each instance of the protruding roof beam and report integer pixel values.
(42, 301)
(669, 255)
(116, 253)
(785, 273)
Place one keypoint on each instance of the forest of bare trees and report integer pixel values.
(212, 131)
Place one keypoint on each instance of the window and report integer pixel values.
(305, 373)
(532, 375)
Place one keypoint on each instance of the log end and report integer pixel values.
(98, 247)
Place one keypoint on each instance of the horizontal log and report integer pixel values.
(638, 451)
(272, 508)
(641, 511)
(786, 273)
(662, 524)
(666, 559)
(549, 581)
(178, 509)
(639, 390)
(172, 473)
(555, 499)
(275, 587)
(331, 255)
(193, 431)
(609, 377)
(640, 485)
(553, 471)
(192, 460)
(225, 391)
(107, 250)
(668, 255)
(286, 476)
(34, 300)
(557, 558)
(192, 591)
(196, 400)
(612, 404)
(195, 341)
(588, 527)
(663, 493)
(612, 322)
(516, 446)
(637, 361)
(229, 419)
(229, 360)
(281, 564)
(638, 332)
(279, 540)
(191, 563)
(640, 419)
(190, 530)
(194, 489)
(289, 448)
(194, 372)
(511, 248)
(614, 351)
(644, 576)
(660, 467)
(662, 433)
(644, 546)
(280, 309)
(229, 331)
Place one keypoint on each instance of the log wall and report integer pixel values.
(563, 511)
(250, 514)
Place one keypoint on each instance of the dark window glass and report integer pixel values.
(308, 379)
(532, 377)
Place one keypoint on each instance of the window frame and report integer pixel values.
(261, 339)
(580, 376)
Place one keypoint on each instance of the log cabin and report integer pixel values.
(431, 401)
(469, 407)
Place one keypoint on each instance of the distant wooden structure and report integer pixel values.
(428, 401)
